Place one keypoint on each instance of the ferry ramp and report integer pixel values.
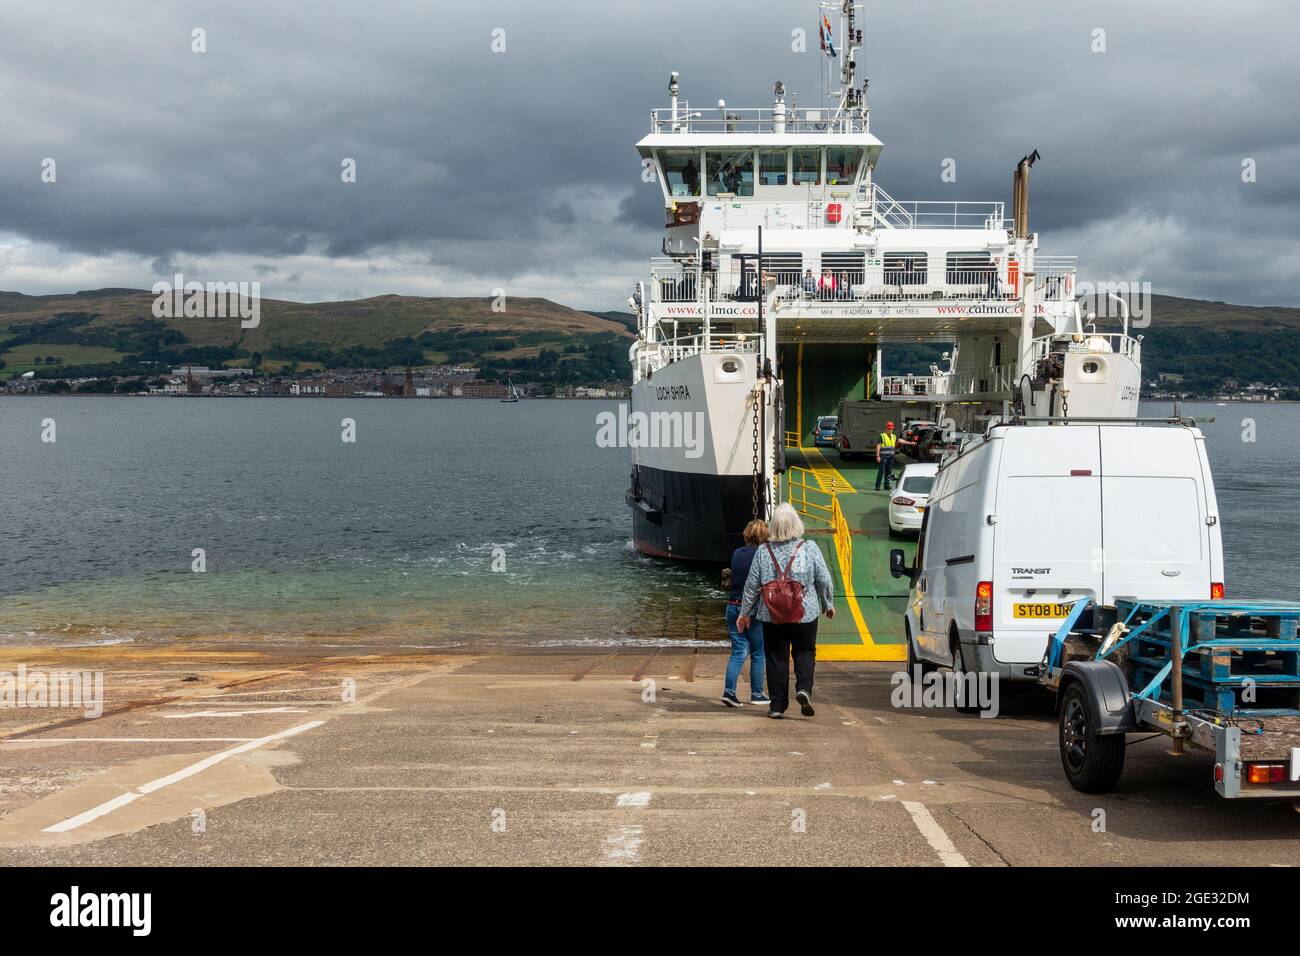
(827, 491)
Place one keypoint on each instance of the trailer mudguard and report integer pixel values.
(1108, 692)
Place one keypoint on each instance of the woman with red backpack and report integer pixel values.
(788, 586)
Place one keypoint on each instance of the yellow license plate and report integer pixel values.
(1040, 610)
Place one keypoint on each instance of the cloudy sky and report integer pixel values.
(479, 170)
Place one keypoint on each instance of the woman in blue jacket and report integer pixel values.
(747, 642)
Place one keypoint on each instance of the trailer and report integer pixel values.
(1220, 677)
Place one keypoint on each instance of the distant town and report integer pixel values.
(439, 381)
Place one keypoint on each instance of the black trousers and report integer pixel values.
(780, 641)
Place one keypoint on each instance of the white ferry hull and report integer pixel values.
(693, 457)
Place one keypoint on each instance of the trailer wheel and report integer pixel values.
(1092, 762)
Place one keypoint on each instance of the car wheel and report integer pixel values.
(894, 533)
(1092, 762)
(959, 678)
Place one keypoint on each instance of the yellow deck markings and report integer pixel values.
(828, 476)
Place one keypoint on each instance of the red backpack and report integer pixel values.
(783, 595)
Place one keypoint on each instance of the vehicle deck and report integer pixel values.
(869, 625)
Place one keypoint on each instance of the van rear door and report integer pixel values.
(1047, 539)
(1156, 541)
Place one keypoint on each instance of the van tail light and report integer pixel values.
(1216, 591)
(984, 606)
(903, 501)
(1266, 772)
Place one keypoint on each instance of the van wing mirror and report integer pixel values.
(898, 567)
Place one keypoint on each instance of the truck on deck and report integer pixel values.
(860, 425)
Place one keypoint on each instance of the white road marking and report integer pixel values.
(623, 846)
(130, 740)
(639, 798)
(287, 690)
(216, 702)
(934, 834)
(235, 713)
(109, 806)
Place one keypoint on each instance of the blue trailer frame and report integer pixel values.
(1203, 705)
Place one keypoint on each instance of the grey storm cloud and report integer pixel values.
(522, 162)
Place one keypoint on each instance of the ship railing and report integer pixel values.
(907, 385)
(925, 214)
(1088, 341)
(650, 357)
(900, 278)
(751, 120)
(994, 379)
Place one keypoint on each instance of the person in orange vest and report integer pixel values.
(885, 450)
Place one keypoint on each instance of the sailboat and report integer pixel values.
(512, 393)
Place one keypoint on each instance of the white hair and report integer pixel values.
(786, 525)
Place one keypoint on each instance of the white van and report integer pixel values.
(1027, 519)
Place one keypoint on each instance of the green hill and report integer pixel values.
(1196, 343)
(114, 331)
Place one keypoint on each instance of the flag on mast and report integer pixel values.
(828, 41)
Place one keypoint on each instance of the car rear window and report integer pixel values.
(918, 484)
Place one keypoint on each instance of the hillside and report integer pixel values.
(1194, 345)
(114, 331)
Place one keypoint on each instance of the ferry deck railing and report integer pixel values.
(921, 386)
(751, 120)
(902, 278)
(1113, 342)
(996, 378)
(649, 357)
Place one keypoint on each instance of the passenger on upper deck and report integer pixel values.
(826, 285)
(809, 283)
(994, 289)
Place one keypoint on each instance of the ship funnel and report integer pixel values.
(1020, 194)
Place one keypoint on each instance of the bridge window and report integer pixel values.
(842, 165)
(905, 268)
(731, 171)
(807, 167)
(773, 167)
(681, 171)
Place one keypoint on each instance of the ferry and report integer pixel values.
(786, 271)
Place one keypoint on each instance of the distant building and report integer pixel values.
(478, 389)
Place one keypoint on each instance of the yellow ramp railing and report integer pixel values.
(804, 489)
(805, 492)
(843, 543)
